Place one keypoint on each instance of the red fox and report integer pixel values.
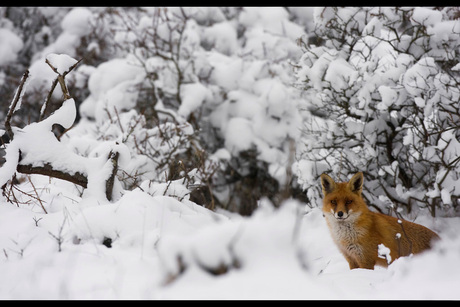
(358, 232)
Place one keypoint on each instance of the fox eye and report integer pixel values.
(334, 202)
(347, 202)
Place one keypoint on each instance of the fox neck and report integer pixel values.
(346, 229)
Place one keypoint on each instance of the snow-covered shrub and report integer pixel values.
(382, 90)
(219, 80)
(35, 149)
(29, 34)
(202, 94)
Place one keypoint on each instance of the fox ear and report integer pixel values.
(356, 183)
(327, 183)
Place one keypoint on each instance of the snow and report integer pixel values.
(340, 74)
(192, 97)
(415, 78)
(283, 253)
(110, 94)
(41, 77)
(62, 62)
(222, 36)
(426, 16)
(10, 46)
(77, 21)
(388, 95)
(239, 135)
(384, 252)
(153, 242)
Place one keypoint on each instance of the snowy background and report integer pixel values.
(229, 89)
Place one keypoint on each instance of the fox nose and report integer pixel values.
(340, 214)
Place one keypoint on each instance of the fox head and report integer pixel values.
(343, 200)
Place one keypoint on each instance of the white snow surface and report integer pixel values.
(284, 253)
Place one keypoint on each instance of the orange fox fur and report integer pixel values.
(358, 232)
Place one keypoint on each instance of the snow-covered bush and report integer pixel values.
(30, 34)
(382, 90)
(202, 94)
(35, 149)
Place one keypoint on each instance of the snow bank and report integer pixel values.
(63, 251)
(284, 253)
(139, 219)
(253, 261)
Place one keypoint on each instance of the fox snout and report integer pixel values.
(340, 214)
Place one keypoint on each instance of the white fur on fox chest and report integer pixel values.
(344, 233)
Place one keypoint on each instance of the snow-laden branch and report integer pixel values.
(36, 150)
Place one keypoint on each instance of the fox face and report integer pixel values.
(342, 201)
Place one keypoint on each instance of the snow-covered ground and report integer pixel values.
(284, 253)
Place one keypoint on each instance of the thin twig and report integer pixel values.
(14, 104)
(36, 193)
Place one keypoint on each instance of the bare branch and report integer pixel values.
(48, 170)
(13, 105)
(113, 157)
